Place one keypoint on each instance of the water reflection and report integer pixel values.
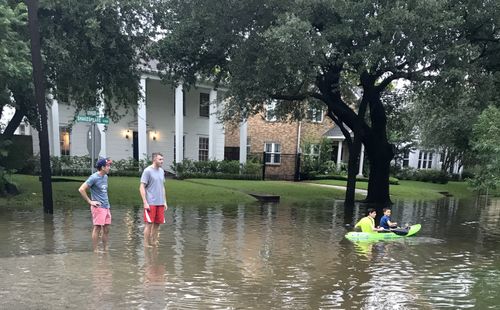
(254, 256)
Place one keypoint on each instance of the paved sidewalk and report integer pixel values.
(358, 191)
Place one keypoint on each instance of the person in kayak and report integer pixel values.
(367, 224)
(385, 221)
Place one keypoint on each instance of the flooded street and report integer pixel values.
(253, 257)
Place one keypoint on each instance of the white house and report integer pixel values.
(166, 117)
(425, 159)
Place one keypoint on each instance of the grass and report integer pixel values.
(124, 191)
(288, 191)
(415, 189)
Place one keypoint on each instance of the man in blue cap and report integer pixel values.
(99, 203)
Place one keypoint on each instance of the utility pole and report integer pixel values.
(39, 83)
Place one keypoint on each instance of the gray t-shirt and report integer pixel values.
(99, 189)
(154, 180)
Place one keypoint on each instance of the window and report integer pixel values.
(64, 141)
(312, 150)
(248, 145)
(204, 105)
(273, 153)
(22, 129)
(271, 112)
(183, 148)
(314, 115)
(203, 149)
(424, 160)
(406, 159)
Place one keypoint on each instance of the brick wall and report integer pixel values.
(261, 131)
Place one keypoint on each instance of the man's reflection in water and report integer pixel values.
(153, 268)
(102, 281)
(154, 280)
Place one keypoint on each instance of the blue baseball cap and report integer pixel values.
(103, 162)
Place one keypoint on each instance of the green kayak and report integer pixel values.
(376, 236)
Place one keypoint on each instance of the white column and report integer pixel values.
(102, 129)
(54, 118)
(216, 129)
(339, 155)
(243, 141)
(141, 121)
(212, 111)
(179, 123)
(361, 158)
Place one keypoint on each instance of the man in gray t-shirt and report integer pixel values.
(98, 201)
(154, 199)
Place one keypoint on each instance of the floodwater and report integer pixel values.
(253, 257)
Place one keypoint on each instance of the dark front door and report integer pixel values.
(135, 145)
(231, 153)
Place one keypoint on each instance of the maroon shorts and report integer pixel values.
(155, 214)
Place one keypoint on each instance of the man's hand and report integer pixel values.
(95, 204)
(146, 206)
(166, 207)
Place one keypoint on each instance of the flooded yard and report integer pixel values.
(271, 256)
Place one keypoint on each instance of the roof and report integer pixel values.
(335, 133)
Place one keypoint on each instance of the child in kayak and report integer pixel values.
(367, 224)
(385, 221)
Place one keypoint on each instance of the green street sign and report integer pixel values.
(92, 119)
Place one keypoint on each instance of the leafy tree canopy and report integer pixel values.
(295, 51)
(92, 50)
(486, 144)
(15, 61)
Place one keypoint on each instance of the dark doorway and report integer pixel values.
(231, 153)
(135, 145)
(335, 149)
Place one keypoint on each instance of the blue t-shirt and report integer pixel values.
(99, 189)
(384, 222)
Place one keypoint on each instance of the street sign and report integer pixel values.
(92, 119)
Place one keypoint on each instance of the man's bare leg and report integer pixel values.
(105, 237)
(155, 233)
(147, 234)
(95, 236)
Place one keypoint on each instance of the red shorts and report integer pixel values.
(155, 214)
(100, 216)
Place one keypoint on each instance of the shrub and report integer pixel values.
(392, 180)
(217, 169)
(434, 176)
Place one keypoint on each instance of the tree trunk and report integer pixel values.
(38, 80)
(378, 149)
(378, 182)
(13, 124)
(352, 171)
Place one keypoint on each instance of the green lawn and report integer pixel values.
(288, 191)
(414, 189)
(124, 191)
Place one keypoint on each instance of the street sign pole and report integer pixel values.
(92, 160)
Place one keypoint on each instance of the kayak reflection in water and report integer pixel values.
(367, 224)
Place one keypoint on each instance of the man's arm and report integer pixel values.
(142, 190)
(83, 191)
